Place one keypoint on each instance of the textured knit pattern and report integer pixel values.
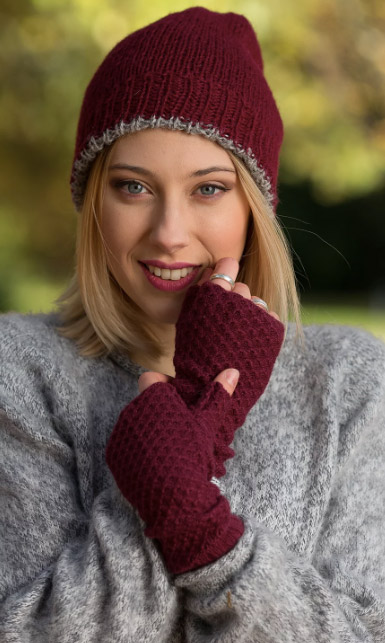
(171, 440)
(242, 336)
(161, 454)
(196, 71)
(307, 479)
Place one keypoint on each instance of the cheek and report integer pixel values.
(109, 227)
(226, 236)
(234, 235)
(117, 233)
(111, 240)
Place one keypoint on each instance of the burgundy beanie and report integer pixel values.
(196, 71)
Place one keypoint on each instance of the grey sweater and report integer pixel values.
(308, 480)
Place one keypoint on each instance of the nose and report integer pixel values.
(170, 229)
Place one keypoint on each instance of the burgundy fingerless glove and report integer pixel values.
(218, 329)
(161, 453)
(171, 440)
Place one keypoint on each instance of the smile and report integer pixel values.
(170, 280)
(166, 273)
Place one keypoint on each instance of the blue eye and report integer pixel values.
(133, 187)
(211, 190)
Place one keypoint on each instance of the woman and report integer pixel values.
(121, 521)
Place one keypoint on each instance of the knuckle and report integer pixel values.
(242, 289)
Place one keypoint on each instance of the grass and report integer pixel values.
(371, 319)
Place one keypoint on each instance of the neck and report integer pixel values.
(163, 364)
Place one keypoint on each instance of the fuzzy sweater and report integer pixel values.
(307, 479)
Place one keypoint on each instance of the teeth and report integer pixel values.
(173, 275)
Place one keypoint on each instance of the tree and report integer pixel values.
(324, 60)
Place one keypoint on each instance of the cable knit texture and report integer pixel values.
(307, 480)
(196, 71)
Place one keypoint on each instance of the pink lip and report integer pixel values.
(167, 284)
(170, 266)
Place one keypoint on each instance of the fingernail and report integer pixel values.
(232, 376)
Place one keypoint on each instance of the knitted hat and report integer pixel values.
(196, 71)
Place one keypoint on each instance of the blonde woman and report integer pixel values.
(178, 462)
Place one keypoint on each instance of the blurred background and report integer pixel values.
(325, 61)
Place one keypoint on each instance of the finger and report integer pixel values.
(242, 289)
(275, 316)
(229, 379)
(227, 266)
(205, 276)
(151, 377)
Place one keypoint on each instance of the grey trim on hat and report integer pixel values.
(95, 146)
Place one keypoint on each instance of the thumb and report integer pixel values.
(229, 379)
(151, 377)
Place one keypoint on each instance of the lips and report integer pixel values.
(170, 284)
(169, 266)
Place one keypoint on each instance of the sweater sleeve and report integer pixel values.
(265, 591)
(69, 571)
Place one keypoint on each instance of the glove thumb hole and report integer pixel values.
(214, 402)
(229, 379)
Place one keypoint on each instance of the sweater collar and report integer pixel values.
(127, 364)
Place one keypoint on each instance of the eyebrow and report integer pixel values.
(142, 170)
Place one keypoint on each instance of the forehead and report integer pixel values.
(163, 146)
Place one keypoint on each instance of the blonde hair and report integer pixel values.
(266, 265)
(101, 318)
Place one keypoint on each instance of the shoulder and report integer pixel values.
(16, 327)
(342, 340)
(333, 347)
(37, 362)
(344, 366)
(351, 353)
(38, 365)
(33, 339)
(32, 355)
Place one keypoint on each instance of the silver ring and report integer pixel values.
(260, 302)
(225, 277)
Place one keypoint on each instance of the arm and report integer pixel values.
(71, 570)
(335, 590)
(262, 590)
(173, 438)
(161, 453)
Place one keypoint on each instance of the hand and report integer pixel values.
(228, 378)
(230, 266)
(218, 329)
(161, 454)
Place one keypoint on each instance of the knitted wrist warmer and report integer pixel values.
(161, 453)
(218, 329)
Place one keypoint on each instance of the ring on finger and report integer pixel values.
(260, 302)
(219, 275)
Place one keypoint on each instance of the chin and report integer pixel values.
(166, 311)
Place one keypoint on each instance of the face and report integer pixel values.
(173, 206)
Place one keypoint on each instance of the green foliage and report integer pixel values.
(324, 60)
